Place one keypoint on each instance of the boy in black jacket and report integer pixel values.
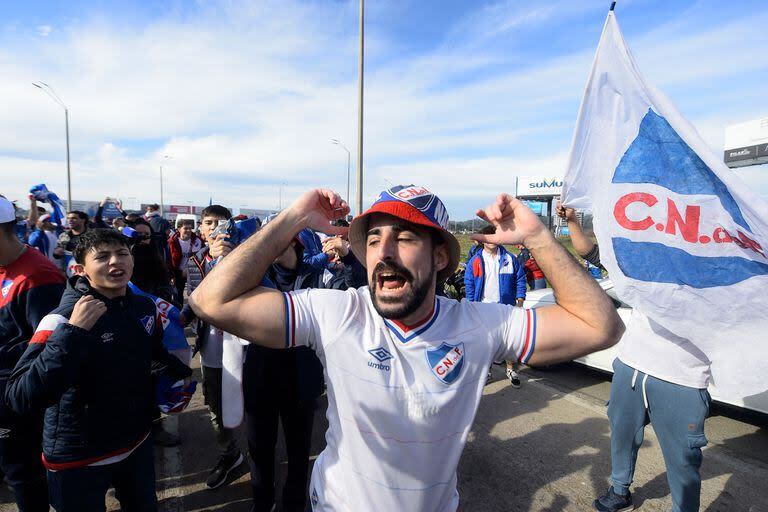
(89, 365)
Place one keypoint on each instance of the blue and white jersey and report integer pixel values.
(401, 400)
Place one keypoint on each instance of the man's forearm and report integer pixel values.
(581, 243)
(243, 269)
(575, 291)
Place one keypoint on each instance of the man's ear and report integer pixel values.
(441, 257)
(79, 269)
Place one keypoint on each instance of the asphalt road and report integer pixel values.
(543, 447)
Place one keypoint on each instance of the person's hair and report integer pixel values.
(8, 228)
(435, 237)
(187, 222)
(138, 221)
(341, 223)
(216, 210)
(487, 230)
(41, 210)
(131, 217)
(95, 238)
(153, 207)
(81, 214)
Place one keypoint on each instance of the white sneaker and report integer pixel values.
(513, 377)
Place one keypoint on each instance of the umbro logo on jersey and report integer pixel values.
(381, 355)
(107, 337)
(446, 361)
(5, 433)
(148, 322)
(7, 283)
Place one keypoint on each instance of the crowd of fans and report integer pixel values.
(117, 281)
(167, 264)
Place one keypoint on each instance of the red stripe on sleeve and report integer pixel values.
(527, 334)
(40, 337)
(293, 321)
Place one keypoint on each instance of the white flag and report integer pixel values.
(683, 238)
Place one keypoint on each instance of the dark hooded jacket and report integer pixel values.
(95, 385)
(295, 373)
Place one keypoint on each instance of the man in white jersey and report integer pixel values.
(405, 369)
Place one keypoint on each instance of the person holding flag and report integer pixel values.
(681, 236)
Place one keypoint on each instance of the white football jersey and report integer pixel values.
(401, 400)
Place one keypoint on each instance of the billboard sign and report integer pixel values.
(535, 206)
(746, 143)
(538, 186)
(182, 208)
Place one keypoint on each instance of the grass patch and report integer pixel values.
(465, 242)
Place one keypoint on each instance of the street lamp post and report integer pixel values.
(360, 112)
(280, 198)
(338, 143)
(162, 205)
(47, 89)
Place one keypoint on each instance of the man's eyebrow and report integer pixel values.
(397, 228)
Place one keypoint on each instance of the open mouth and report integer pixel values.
(116, 273)
(390, 281)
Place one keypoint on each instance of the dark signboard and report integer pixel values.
(745, 153)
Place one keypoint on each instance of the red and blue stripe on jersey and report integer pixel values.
(406, 333)
(31, 288)
(529, 342)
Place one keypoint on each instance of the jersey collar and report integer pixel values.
(406, 333)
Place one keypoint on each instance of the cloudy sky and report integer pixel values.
(461, 96)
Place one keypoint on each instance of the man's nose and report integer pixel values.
(387, 248)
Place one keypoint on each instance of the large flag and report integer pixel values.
(684, 239)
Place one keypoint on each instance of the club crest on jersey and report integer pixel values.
(148, 322)
(7, 283)
(446, 362)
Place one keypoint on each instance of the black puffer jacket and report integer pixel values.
(95, 385)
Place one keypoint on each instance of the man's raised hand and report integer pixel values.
(317, 208)
(515, 223)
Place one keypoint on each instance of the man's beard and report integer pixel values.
(414, 297)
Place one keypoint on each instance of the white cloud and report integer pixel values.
(246, 95)
(44, 30)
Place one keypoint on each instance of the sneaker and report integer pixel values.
(220, 472)
(513, 377)
(612, 502)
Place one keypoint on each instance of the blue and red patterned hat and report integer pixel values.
(413, 204)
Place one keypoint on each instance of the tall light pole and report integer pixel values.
(360, 111)
(338, 143)
(162, 206)
(47, 89)
(280, 198)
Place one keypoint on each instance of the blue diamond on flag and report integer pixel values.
(381, 354)
(446, 361)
